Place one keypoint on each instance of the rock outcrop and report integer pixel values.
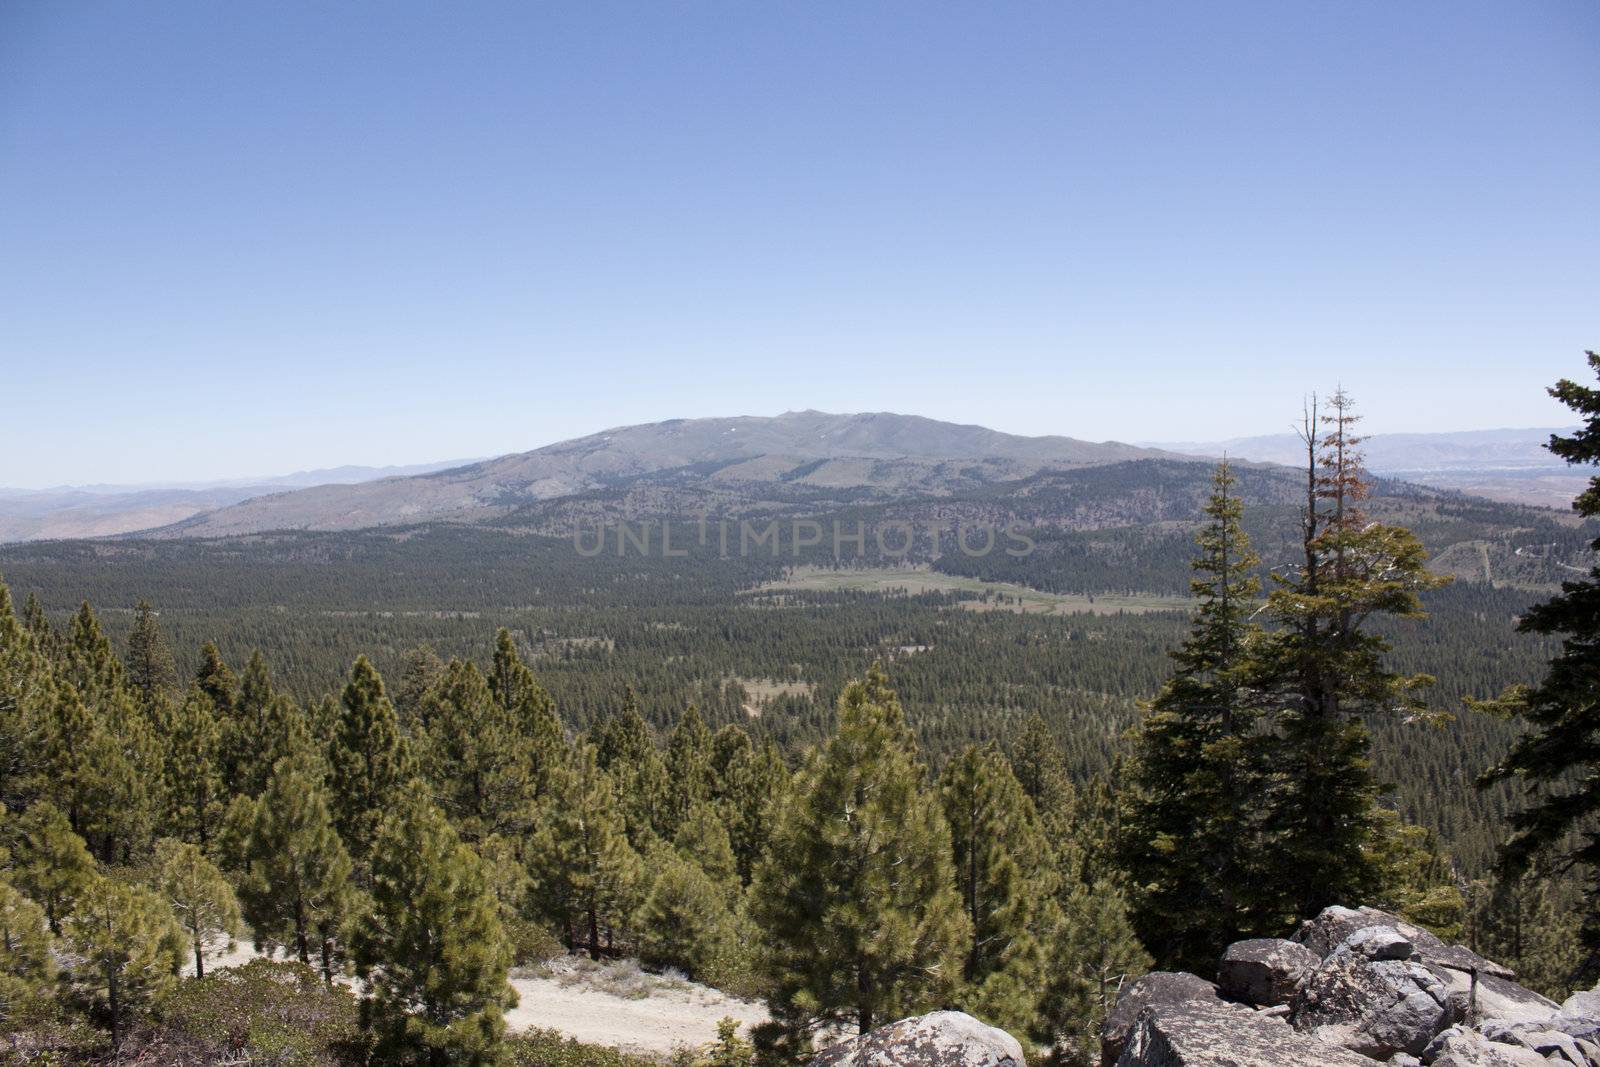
(1354, 986)
(938, 1039)
(1264, 971)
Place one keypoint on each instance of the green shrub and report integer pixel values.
(275, 1012)
(551, 1048)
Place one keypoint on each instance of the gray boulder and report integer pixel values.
(1330, 928)
(938, 1039)
(1159, 989)
(1200, 1033)
(1459, 1046)
(1374, 1006)
(1500, 999)
(1579, 1016)
(1264, 971)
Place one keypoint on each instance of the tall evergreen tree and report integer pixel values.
(216, 680)
(245, 727)
(857, 897)
(1557, 762)
(152, 671)
(369, 760)
(532, 716)
(1322, 670)
(626, 750)
(26, 696)
(1006, 875)
(480, 763)
(689, 771)
(297, 872)
(431, 950)
(1198, 783)
(194, 769)
(1097, 953)
(585, 873)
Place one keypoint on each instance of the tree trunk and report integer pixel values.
(116, 1008)
(594, 931)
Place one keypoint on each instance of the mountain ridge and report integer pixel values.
(885, 452)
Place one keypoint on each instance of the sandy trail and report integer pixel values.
(613, 1005)
(667, 1016)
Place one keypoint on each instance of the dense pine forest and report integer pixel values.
(403, 764)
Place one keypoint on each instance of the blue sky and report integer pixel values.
(254, 237)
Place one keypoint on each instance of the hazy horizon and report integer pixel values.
(401, 469)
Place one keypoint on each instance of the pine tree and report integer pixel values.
(198, 894)
(1532, 924)
(689, 773)
(91, 666)
(585, 873)
(216, 680)
(626, 750)
(1198, 782)
(245, 728)
(481, 765)
(423, 669)
(88, 775)
(1097, 952)
(431, 950)
(194, 771)
(27, 966)
(749, 788)
(532, 716)
(685, 920)
(26, 695)
(50, 863)
(131, 946)
(857, 897)
(1041, 769)
(703, 840)
(152, 671)
(369, 759)
(1322, 670)
(1556, 761)
(1006, 875)
(297, 877)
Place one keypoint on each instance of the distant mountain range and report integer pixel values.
(1508, 465)
(103, 510)
(684, 464)
(883, 455)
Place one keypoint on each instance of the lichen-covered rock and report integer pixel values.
(1158, 988)
(1264, 971)
(1579, 1016)
(1380, 943)
(1459, 1046)
(1325, 933)
(1198, 1033)
(938, 1039)
(1499, 998)
(1376, 1007)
